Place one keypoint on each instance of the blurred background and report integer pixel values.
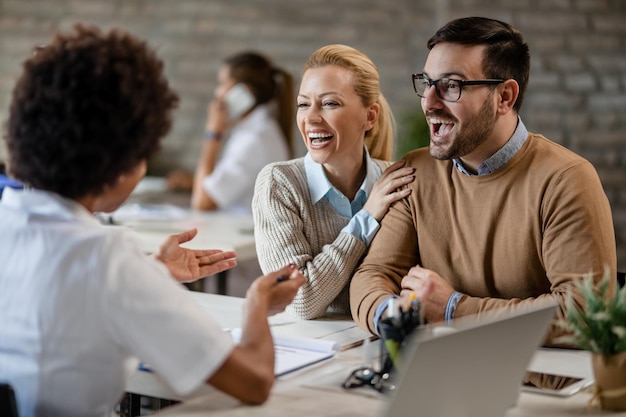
(576, 97)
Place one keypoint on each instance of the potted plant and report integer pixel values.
(600, 327)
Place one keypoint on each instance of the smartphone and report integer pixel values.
(239, 99)
(551, 384)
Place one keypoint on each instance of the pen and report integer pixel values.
(144, 367)
(286, 277)
(412, 301)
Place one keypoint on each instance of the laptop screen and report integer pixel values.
(473, 370)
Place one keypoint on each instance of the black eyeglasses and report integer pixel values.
(366, 376)
(447, 89)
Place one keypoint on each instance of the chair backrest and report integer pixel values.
(620, 278)
(8, 406)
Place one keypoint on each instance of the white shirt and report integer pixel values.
(80, 302)
(253, 143)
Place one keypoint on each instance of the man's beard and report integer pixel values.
(476, 130)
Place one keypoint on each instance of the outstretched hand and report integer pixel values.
(188, 265)
(387, 189)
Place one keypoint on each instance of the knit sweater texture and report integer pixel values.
(506, 240)
(289, 228)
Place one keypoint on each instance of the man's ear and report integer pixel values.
(509, 91)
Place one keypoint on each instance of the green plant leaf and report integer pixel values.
(599, 326)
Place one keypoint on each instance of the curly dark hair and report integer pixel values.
(87, 108)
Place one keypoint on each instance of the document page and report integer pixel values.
(293, 353)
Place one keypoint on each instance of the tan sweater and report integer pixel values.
(288, 228)
(504, 240)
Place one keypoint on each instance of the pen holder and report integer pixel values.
(394, 331)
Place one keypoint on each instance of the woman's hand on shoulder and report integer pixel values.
(387, 190)
(277, 289)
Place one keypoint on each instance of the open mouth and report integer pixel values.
(318, 138)
(439, 128)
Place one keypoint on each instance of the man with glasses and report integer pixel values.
(498, 217)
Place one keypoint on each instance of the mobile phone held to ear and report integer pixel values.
(239, 99)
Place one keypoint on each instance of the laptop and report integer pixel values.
(472, 369)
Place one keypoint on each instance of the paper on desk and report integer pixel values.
(151, 184)
(338, 328)
(293, 353)
(569, 362)
(149, 212)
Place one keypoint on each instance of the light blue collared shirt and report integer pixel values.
(491, 164)
(362, 224)
(502, 156)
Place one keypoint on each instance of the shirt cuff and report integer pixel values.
(451, 306)
(363, 226)
(379, 312)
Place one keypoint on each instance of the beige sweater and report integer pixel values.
(288, 228)
(505, 240)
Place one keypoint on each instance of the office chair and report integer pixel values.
(8, 406)
(621, 276)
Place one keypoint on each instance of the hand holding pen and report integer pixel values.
(279, 287)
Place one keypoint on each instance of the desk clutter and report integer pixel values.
(319, 387)
(397, 325)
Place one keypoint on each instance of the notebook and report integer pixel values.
(295, 353)
(473, 370)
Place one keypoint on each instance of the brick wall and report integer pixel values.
(576, 97)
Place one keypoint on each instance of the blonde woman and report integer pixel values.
(321, 211)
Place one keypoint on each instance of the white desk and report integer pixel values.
(317, 391)
(301, 400)
(146, 212)
(216, 230)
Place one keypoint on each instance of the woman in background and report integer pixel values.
(254, 102)
(321, 211)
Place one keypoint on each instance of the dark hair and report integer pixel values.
(506, 56)
(87, 108)
(266, 83)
